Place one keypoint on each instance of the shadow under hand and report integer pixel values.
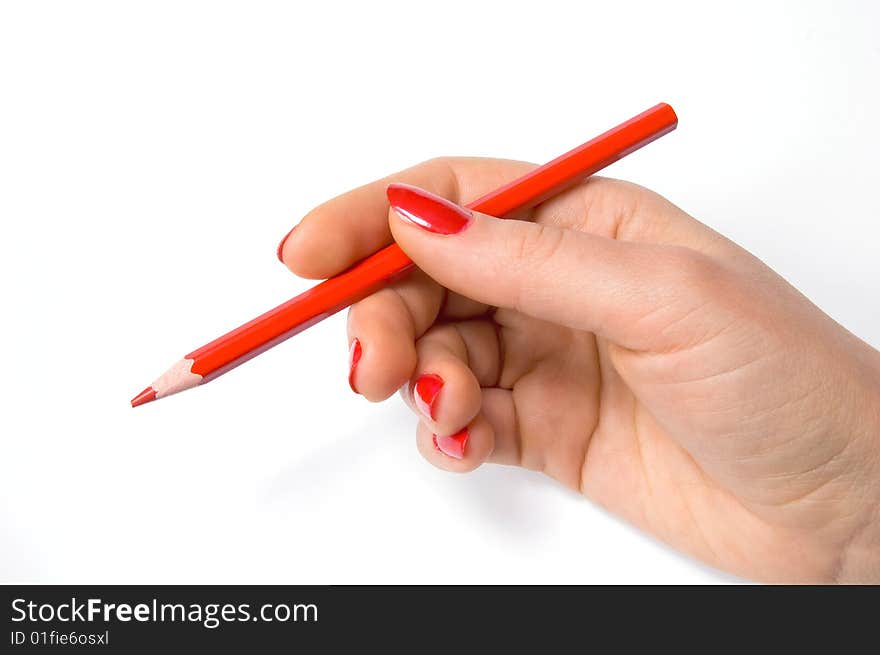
(509, 500)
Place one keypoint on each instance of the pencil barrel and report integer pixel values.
(391, 263)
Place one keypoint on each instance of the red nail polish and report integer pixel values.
(354, 356)
(425, 392)
(453, 445)
(428, 211)
(281, 245)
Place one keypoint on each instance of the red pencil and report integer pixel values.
(390, 263)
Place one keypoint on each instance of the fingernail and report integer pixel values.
(354, 356)
(453, 445)
(281, 245)
(430, 212)
(425, 392)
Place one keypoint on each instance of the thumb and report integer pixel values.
(634, 294)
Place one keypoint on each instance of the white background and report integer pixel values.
(152, 155)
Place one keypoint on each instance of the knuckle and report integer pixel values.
(694, 270)
(536, 244)
(698, 280)
(444, 335)
(442, 170)
(530, 251)
(441, 162)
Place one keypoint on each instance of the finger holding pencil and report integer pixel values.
(391, 264)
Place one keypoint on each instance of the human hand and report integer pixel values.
(618, 345)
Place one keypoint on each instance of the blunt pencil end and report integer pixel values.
(145, 396)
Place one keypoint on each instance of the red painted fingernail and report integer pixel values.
(428, 211)
(354, 356)
(281, 245)
(425, 392)
(453, 445)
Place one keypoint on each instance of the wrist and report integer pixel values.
(859, 561)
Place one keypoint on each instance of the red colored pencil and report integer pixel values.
(390, 263)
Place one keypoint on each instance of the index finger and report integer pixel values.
(344, 230)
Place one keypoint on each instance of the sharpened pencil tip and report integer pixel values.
(145, 396)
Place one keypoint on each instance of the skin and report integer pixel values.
(613, 342)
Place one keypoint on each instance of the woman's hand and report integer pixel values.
(618, 345)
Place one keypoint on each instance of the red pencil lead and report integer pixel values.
(145, 396)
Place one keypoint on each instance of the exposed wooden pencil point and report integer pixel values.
(145, 396)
